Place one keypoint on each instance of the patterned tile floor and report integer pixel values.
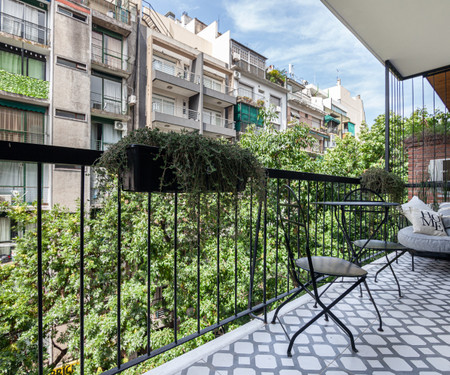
(416, 337)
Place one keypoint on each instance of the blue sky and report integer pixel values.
(299, 32)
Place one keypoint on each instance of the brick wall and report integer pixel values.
(420, 152)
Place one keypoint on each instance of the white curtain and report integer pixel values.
(110, 135)
(112, 95)
(113, 52)
(13, 24)
(5, 229)
(31, 16)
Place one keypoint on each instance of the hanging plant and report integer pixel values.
(383, 182)
(185, 161)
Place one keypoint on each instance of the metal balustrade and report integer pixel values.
(24, 29)
(229, 238)
(177, 72)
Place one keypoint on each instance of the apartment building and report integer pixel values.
(187, 88)
(245, 68)
(354, 107)
(67, 78)
(302, 108)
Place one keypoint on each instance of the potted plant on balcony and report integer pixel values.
(151, 160)
(383, 182)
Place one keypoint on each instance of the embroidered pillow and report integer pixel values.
(427, 222)
(414, 203)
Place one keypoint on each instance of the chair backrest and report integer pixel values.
(295, 228)
(364, 221)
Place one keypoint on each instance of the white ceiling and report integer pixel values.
(412, 34)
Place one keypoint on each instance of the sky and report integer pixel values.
(303, 33)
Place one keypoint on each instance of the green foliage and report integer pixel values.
(199, 163)
(276, 76)
(280, 149)
(381, 181)
(23, 85)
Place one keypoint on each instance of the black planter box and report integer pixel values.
(145, 171)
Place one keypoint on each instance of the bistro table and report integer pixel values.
(359, 247)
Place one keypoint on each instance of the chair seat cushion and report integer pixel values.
(423, 242)
(332, 266)
(379, 245)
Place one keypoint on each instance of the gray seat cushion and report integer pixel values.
(424, 242)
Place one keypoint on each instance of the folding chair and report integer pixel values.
(295, 228)
(368, 242)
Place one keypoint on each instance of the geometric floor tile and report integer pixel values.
(415, 340)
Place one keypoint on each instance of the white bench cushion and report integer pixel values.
(424, 242)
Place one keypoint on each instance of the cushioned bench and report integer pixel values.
(425, 245)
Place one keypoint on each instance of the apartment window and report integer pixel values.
(70, 64)
(19, 61)
(70, 115)
(212, 83)
(24, 20)
(164, 65)
(163, 105)
(107, 47)
(275, 101)
(20, 179)
(212, 117)
(103, 135)
(106, 93)
(69, 13)
(245, 90)
(18, 125)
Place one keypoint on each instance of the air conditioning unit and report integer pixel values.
(5, 198)
(236, 56)
(97, 105)
(237, 74)
(119, 125)
(132, 100)
(277, 108)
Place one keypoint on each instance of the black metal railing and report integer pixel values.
(156, 272)
(24, 29)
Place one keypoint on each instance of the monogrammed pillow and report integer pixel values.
(414, 203)
(427, 222)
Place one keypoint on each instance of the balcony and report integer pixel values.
(175, 80)
(110, 62)
(249, 97)
(218, 125)
(23, 85)
(305, 100)
(168, 116)
(133, 245)
(113, 9)
(108, 106)
(218, 94)
(24, 29)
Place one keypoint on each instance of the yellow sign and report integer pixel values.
(66, 369)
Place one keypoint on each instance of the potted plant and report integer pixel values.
(383, 182)
(151, 160)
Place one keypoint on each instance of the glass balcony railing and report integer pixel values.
(169, 108)
(112, 8)
(177, 72)
(218, 121)
(24, 29)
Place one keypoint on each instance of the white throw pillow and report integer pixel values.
(444, 205)
(414, 203)
(427, 222)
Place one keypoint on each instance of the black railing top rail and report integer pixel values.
(305, 176)
(28, 152)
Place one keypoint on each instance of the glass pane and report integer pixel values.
(113, 52)
(97, 46)
(35, 127)
(12, 125)
(36, 69)
(96, 92)
(112, 96)
(12, 22)
(31, 20)
(10, 62)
